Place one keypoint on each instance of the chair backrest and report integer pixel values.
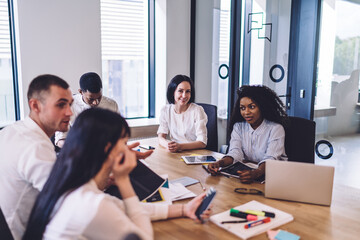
(300, 140)
(212, 133)
(5, 233)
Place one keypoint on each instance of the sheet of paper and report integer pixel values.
(238, 228)
(178, 192)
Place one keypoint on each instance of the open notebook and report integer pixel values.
(238, 228)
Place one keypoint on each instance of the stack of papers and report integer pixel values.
(179, 192)
(239, 228)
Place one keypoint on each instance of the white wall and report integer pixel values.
(203, 50)
(57, 37)
(177, 38)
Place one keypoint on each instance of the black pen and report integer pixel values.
(203, 166)
(242, 221)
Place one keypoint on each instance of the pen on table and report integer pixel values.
(203, 188)
(241, 221)
(261, 213)
(203, 166)
(256, 223)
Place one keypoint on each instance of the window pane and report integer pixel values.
(222, 43)
(337, 89)
(7, 106)
(124, 37)
(269, 26)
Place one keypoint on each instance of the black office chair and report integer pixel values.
(211, 126)
(300, 140)
(5, 233)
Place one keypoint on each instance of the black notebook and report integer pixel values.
(144, 181)
(231, 171)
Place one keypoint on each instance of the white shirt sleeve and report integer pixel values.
(235, 148)
(164, 120)
(200, 125)
(115, 219)
(275, 149)
(156, 211)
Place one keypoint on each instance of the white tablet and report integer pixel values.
(198, 159)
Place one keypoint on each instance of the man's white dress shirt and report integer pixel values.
(26, 158)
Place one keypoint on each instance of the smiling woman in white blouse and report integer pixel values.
(182, 122)
(257, 132)
(72, 204)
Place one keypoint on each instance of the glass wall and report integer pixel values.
(124, 40)
(7, 105)
(268, 23)
(337, 112)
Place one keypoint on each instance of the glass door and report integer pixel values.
(337, 105)
(266, 35)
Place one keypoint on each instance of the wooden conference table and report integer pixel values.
(340, 221)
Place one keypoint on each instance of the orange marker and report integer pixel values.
(259, 222)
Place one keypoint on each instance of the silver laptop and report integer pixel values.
(301, 182)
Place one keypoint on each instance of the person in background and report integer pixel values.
(90, 95)
(73, 205)
(26, 152)
(182, 119)
(257, 132)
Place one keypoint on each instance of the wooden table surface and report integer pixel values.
(340, 221)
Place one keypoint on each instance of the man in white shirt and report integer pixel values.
(90, 95)
(26, 152)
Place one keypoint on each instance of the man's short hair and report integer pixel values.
(90, 82)
(43, 83)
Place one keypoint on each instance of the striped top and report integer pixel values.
(264, 143)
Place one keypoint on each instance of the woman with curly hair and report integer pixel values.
(257, 131)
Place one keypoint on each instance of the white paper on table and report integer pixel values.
(178, 192)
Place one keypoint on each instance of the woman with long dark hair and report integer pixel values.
(182, 122)
(72, 204)
(257, 131)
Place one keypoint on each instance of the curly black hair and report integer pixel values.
(270, 105)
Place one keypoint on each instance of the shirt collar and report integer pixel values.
(32, 125)
(259, 130)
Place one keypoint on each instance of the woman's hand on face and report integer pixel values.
(123, 164)
(190, 208)
(214, 168)
(173, 147)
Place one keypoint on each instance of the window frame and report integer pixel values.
(151, 64)
(13, 59)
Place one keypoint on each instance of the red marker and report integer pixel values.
(253, 224)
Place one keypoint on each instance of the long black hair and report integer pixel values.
(270, 105)
(174, 83)
(80, 160)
